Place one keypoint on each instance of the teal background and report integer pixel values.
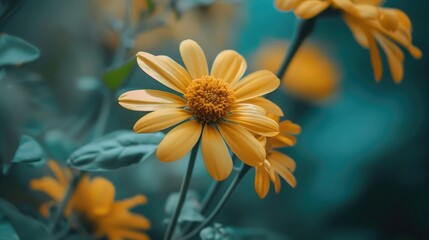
(362, 158)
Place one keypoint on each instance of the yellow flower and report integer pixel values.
(217, 106)
(316, 85)
(370, 24)
(276, 163)
(93, 202)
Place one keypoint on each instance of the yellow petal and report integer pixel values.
(179, 141)
(389, 19)
(283, 141)
(277, 182)
(242, 143)
(367, 11)
(161, 119)
(255, 85)
(247, 107)
(284, 173)
(311, 8)
(177, 69)
(288, 127)
(282, 159)
(194, 59)
(150, 100)
(58, 172)
(287, 5)
(262, 182)
(229, 65)
(256, 123)
(266, 104)
(357, 31)
(123, 219)
(215, 153)
(49, 186)
(45, 208)
(163, 71)
(395, 58)
(131, 202)
(375, 57)
(102, 195)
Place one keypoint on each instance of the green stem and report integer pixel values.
(205, 203)
(60, 210)
(183, 190)
(125, 36)
(304, 29)
(244, 169)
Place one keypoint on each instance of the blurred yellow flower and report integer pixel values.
(311, 75)
(276, 163)
(93, 202)
(370, 24)
(217, 106)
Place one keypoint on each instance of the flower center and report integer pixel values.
(209, 98)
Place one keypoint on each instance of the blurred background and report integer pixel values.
(362, 157)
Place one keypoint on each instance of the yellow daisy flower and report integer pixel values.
(316, 85)
(370, 24)
(276, 163)
(216, 106)
(93, 202)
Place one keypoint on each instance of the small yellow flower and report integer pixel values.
(276, 163)
(217, 106)
(93, 202)
(370, 24)
(311, 75)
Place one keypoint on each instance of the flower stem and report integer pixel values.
(244, 169)
(305, 28)
(205, 203)
(59, 211)
(183, 190)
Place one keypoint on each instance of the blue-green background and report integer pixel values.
(362, 158)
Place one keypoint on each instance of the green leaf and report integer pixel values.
(29, 151)
(25, 227)
(7, 232)
(215, 232)
(115, 77)
(115, 150)
(191, 208)
(15, 51)
(219, 232)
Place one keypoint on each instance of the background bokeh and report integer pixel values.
(362, 158)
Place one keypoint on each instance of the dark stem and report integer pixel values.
(304, 29)
(244, 169)
(125, 36)
(60, 210)
(183, 190)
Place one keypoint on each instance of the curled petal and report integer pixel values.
(150, 100)
(167, 72)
